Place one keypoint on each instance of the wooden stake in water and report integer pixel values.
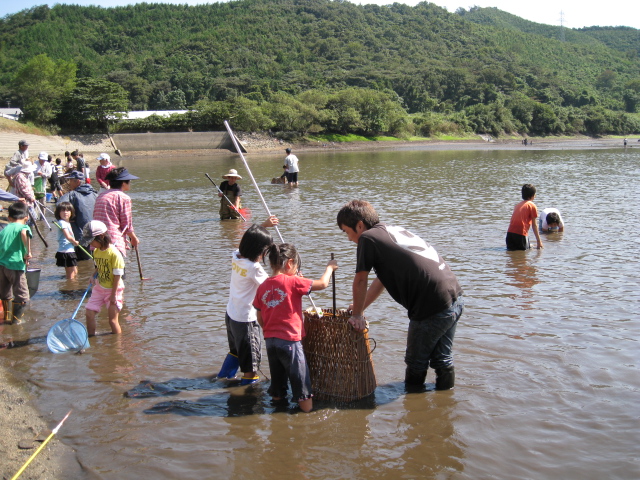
(333, 281)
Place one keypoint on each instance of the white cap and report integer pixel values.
(43, 156)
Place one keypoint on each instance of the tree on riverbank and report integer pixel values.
(480, 70)
(93, 104)
(42, 84)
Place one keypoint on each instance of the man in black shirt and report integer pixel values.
(417, 278)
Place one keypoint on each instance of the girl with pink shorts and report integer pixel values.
(108, 287)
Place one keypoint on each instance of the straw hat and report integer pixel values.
(232, 173)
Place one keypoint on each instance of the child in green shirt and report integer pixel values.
(15, 252)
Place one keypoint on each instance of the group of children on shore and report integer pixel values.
(15, 252)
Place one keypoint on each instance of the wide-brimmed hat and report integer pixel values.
(232, 173)
(43, 156)
(125, 175)
(91, 230)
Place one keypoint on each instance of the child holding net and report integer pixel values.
(108, 287)
(278, 303)
(66, 255)
(243, 332)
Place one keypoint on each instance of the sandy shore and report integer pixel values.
(263, 145)
(23, 426)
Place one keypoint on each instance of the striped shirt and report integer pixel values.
(23, 188)
(113, 207)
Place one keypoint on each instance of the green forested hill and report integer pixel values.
(625, 39)
(427, 60)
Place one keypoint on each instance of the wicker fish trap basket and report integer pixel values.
(339, 358)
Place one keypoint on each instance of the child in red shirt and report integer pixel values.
(278, 303)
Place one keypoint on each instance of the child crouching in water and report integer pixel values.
(66, 254)
(243, 331)
(278, 303)
(108, 287)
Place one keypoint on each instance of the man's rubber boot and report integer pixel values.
(445, 378)
(414, 380)
(7, 306)
(18, 312)
(229, 367)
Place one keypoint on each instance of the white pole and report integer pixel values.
(255, 184)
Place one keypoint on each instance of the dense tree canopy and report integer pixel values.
(93, 104)
(334, 66)
(41, 88)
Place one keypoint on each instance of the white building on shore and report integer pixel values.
(11, 113)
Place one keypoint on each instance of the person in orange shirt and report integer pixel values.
(524, 217)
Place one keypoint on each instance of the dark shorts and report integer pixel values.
(245, 342)
(288, 363)
(292, 177)
(517, 242)
(66, 259)
(13, 285)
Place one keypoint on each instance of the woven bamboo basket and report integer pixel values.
(339, 358)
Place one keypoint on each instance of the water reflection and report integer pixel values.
(522, 271)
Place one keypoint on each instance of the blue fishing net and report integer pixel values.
(67, 335)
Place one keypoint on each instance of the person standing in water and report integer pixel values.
(417, 278)
(230, 206)
(291, 162)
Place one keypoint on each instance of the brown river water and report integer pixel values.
(546, 352)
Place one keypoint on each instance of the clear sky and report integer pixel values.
(575, 13)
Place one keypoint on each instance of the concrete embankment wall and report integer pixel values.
(129, 142)
(138, 142)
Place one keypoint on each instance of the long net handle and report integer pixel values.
(253, 180)
(81, 301)
(255, 184)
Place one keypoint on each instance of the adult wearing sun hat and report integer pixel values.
(22, 187)
(113, 208)
(232, 192)
(42, 174)
(19, 158)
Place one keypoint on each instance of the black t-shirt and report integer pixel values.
(229, 190)
(409, 268)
